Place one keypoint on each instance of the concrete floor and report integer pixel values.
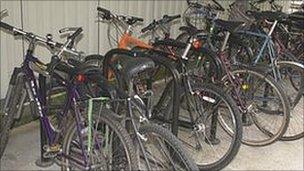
(23, 150)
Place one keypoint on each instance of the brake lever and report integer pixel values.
(3, 13)
(67, 29)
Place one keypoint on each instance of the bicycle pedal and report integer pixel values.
(55, 148)
(49, 155)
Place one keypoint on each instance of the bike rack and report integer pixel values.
(42, 161)
(157, 59)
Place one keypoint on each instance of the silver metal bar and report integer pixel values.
(273, 27)
(225, 41)
(184, 56)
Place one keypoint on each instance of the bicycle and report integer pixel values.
(23, 82)
(283, 66)
(135, 114)
(238, 77)
(158, 55)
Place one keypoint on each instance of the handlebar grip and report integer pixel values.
(103, 10)
(140, 19)
(219, 6)
(196, 5)
(149, 27)
(173, 17)
(6, 26)
(76, 33)
(106, 13)
(261, 1)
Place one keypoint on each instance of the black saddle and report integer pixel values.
(190, 30)
(230, 26)
(131, 66)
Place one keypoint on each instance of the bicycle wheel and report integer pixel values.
(112, 147)
(267, 112)
(7, 119)
(163, 150)
(200, 130)
(292, 79)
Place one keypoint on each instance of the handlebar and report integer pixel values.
(67, 29)
(165, 20)
(3, 12)
(35, 38)
(108, 15)
(6, 26)
(217, 6)
(76, 34)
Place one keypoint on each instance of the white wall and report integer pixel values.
(42, 17)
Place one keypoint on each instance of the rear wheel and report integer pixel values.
(111, 146)
(200, 128)
(266, 114)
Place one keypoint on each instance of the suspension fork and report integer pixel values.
(137, 134)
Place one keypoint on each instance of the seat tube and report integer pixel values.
(225, 41)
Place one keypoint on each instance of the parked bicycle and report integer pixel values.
(80, 143)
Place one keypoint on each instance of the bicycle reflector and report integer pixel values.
(197, 44)
(80, 77)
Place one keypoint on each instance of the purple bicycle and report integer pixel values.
(86, 136)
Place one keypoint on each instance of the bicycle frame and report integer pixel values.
(26, 75)
(268, 44)
(127, 40)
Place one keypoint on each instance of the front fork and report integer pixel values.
(211, 139)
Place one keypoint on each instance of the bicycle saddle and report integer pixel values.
(131, 66)
(296, 16)
(268, 15)
(230, 26)
(190, 30)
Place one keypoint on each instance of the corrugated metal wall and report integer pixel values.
(42, 17)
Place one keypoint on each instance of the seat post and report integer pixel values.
(130, 88)
(273, 27)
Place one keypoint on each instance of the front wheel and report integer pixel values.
(7, 119)
(163, 150)
(200, 127)
(111, 147)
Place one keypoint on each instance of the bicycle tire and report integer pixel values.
(107, 118)
(271, 137)
(299, 133)
(8, 120)
(171, 140)
(236, 143)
